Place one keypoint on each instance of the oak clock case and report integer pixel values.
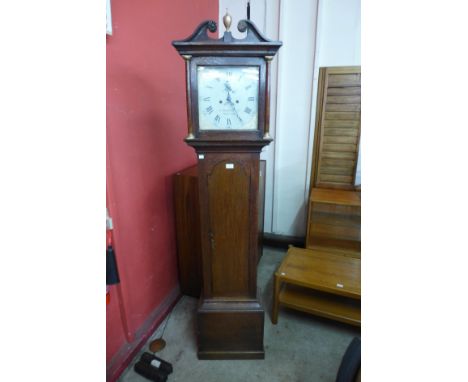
(228, 112)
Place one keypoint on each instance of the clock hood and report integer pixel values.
(255, 44)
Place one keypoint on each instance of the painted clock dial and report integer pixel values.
(228, 97)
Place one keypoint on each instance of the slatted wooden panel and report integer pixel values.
(338, 128)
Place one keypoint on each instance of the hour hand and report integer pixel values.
(228, 98)
(227, 87)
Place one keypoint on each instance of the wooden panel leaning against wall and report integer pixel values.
(188, 233)
(334, 216)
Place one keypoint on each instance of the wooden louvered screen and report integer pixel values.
(338, 128)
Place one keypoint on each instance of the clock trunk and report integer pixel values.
(230, 317)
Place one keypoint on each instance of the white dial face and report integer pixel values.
(228, 97)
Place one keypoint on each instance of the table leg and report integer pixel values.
(274, 314)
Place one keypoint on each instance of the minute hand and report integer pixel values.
(229, 101)
(235, 111)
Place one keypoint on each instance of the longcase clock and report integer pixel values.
(228, 114)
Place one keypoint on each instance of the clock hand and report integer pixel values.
(228, 87)
(235, 111)
(229, 101)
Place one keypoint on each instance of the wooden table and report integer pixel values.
(320, 282)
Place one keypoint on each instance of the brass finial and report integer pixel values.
(227, 20)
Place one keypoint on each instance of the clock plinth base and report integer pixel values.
(230, 330)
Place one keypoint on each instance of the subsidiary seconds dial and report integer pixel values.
(228, 97)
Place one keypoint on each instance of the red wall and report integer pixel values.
(146, 124)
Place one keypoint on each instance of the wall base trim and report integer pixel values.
(282, 241)
(127, 352)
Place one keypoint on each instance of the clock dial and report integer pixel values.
(228, 97)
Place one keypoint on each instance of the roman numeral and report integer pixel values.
(247, 110)
(217, 118)
(228, 122)
(248, 87)
(209, 109)
(218, 79)
(206, 98)
(251, 98)
(209, 87)
(229, 74)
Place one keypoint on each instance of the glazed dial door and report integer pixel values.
(228, 97)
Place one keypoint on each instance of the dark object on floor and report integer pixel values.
(150, 372)
(112, 274)
(162, 365)
(350, 367)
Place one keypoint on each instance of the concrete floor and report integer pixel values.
(299, 348)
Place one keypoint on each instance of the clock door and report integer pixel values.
(229, 206)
